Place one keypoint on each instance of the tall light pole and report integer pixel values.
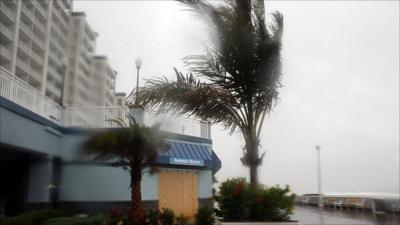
(138, 63)
(320, 199)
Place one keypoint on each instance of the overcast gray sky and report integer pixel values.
(341, 86)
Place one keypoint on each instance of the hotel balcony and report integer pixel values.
(26, 30)
(24, 47)
(39, 59)
(5, 54)
(16, 90)
(39, 8)
(36, 74)
(29, 32)
(28, 12)
(6, 13)
(6, 33)
(11, 3)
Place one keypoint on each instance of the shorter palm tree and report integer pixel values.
(131, 145)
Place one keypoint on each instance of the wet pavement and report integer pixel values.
(312, 215)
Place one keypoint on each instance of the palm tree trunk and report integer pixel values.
(137, 212)
(253, 164)
(252, 157)
(253, 175)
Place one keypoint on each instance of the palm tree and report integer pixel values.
(236, 82)
(133, 146)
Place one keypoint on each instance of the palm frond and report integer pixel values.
(187, 95)
(128, 143)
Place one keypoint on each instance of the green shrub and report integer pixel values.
(238, 201)
(32, 218)
(231, 199)
(182, 220)
(152, 215)
(167, 217)
(205, 216)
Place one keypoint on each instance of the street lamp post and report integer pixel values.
(138, 63)
(320, 199)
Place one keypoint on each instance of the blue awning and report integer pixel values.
(189, 155)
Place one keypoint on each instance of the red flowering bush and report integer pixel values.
(238, 201)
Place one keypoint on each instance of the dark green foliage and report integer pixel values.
(90, 220)
(182, 220)
(205, 216)
(239, 201)
(32, 218)
(232, 196)
(132, 145)
(167, 217)
(152, 216)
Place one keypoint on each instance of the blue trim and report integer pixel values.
(9, 105)
(189, 155)
(216, 162)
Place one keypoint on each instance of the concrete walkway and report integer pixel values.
(312, 215)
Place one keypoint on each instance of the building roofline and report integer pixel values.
(120, 93)
(99, 57)
(78, 14)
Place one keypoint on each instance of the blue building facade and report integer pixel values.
(40, 167)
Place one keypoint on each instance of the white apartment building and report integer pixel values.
(103, 81)
(82, 45)
(53, 50)
(33, 42)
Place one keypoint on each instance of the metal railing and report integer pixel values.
(18, 91)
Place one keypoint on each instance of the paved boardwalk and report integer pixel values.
(314, 215)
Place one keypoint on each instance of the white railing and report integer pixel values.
(21, 93)
(94, 116)
(102, 116)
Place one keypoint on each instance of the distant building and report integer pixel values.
(119, 99)
(103, 82)
(81, 49)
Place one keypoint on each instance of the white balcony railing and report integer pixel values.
(18, 91)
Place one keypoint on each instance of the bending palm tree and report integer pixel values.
(241, 74)
(131, 145)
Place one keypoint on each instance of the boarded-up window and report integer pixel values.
(179, 191)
